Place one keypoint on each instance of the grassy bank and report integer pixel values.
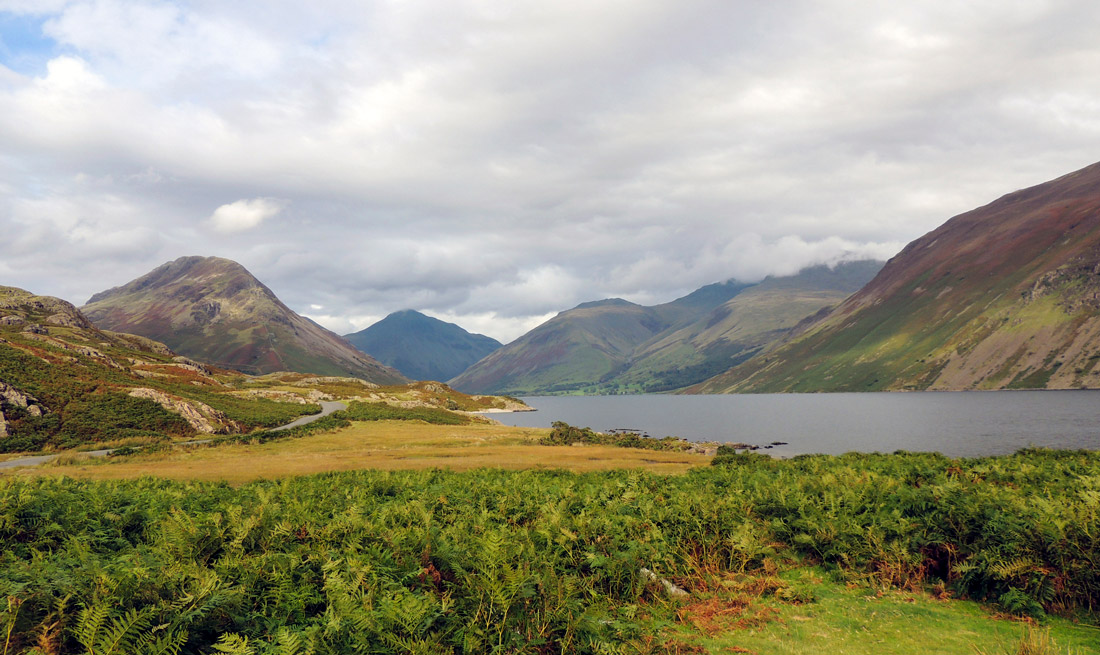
(541, 561)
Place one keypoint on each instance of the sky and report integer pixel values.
(492, 163)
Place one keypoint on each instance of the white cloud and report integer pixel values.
(504, 329)
(244, 214)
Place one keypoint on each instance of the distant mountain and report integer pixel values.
(741, 327)
(213, 309)
(1004, 296)
(422, 347)
(614, 346)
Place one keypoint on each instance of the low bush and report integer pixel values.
(563, 434)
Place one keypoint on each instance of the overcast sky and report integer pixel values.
(492, 162)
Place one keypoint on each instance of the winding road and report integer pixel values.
(327, 407)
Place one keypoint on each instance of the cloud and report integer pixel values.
(490, 162)
(244, 214)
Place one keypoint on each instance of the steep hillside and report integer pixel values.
(422, 347)
(614, 346)
(64, 382)
(214, 310)
(1004, 296)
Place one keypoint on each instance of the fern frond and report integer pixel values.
(234, 644)
(124, 632)
(88, 623)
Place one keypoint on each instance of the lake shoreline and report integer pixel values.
(951, 423)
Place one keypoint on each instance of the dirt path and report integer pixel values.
(327, 407)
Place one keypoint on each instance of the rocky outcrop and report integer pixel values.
(192, 365)
(141, 343)
(12, 397)
(302, 398)
(67, 320)
(334, 380)
(200, 416)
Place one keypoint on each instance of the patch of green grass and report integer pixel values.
(857, 620)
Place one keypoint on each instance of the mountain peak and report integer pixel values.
(422, 347)
(194, 268)
(213, 309)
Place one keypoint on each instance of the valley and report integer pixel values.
(406, 521)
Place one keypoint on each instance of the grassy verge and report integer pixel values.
(384, 445)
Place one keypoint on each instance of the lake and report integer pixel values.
(959, 424)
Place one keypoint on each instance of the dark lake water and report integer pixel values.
(956, 424)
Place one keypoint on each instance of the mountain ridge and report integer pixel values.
(613, 346)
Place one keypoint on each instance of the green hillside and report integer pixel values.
(1004, 296)
(740, 327)
(574, 350)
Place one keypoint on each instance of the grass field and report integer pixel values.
(384, 445)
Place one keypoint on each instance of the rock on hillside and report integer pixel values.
(1004, 296)
(214, 310)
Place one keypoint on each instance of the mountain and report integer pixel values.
(214, 310)
(1004, 296)
(422, 347)
(613, 346)
(741, 326)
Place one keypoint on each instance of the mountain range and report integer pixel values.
(1004, 296)
(214, 310)
(421, 347)
(614, 346)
